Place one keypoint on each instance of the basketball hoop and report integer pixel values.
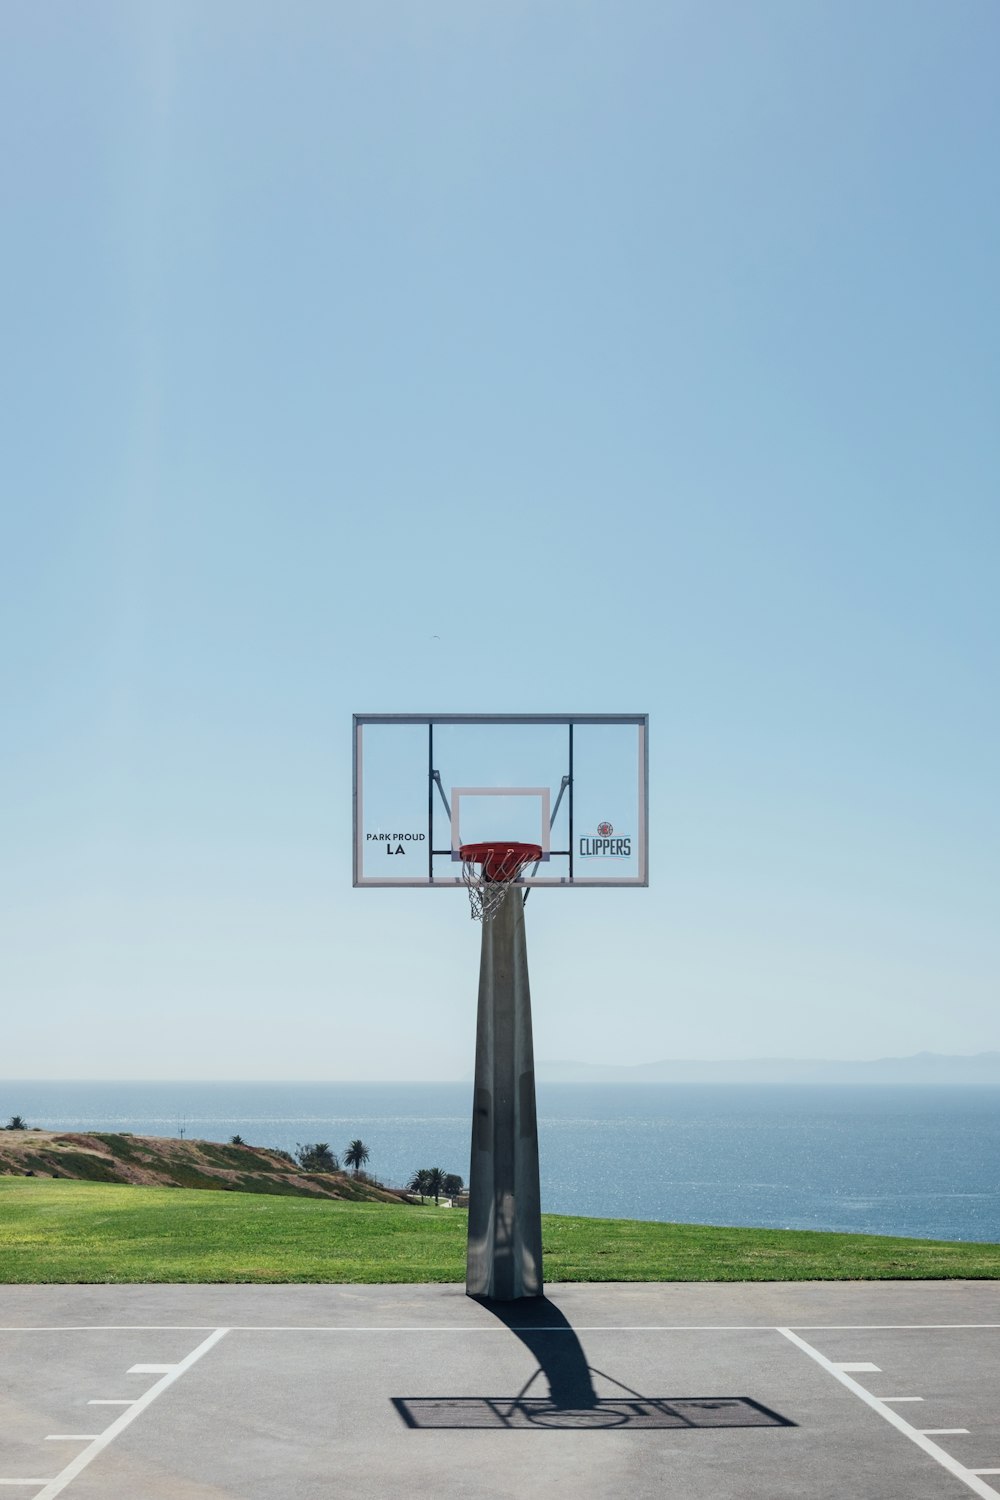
(499, 866)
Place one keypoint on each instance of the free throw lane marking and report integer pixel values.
(976, 1485)
(56, 1486)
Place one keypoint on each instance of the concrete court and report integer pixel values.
(874, 1391)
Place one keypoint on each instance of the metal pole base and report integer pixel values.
(505, 1222)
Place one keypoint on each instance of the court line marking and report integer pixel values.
(859, 1367)
(899, 1398)
(976, 1485)
(943, 1431)
(71, 1437)
(56, 1486)
(149, 1369)
(25, 1481)
(130, 1401)
(493, 1328)
(479, 1328)
(847, 1327)
(450, 1328)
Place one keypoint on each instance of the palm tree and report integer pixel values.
(16, 1122)
(435, 1182)
(236, 1140)
(418, 1182)
(356, 1155)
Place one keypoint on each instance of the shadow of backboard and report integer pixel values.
(572, 1403)
(497, 1413)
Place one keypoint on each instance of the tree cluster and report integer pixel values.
(431, 1182)
(317, 1157)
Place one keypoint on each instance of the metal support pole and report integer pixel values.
(505, 1223)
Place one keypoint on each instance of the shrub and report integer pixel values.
(317, 1158)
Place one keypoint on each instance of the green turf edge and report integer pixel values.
(89, 1232)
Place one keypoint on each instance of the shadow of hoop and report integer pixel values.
(572, 1403)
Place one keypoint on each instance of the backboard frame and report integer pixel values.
(434, 787)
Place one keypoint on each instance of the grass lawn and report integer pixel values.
(89, 1231)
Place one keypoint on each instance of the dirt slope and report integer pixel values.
(160, 1162)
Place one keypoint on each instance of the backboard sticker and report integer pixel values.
(605, 843)
(394, 844)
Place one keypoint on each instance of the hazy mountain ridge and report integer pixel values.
(922, 1067)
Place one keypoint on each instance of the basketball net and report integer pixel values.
(487, 893)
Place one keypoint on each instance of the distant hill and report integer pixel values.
(923, 1067)
(153, 1161)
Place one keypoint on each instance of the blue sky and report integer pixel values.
(673, 326)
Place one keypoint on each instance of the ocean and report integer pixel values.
(907, 1160)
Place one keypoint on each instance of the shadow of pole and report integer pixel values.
(550, 1337)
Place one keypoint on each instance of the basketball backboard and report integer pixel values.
(574, 784)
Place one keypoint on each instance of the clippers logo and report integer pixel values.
(605, 846)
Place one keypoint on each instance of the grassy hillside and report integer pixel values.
(85, 1231)
(154, 1161)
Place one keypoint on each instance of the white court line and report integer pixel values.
(943, 1431)
(150, 1369)
(71, 1437)
(450, 1328)
(477, 1328)
(25, 1481)
(976, 1485)
(859, 1367)
(130, 1401)
(576, 1328)
(984, 1471)
(847, 1327)
(56, 1486)
(899, 1398)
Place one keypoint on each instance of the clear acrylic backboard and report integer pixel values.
(574, 784)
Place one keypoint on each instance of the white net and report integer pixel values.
(487, 893)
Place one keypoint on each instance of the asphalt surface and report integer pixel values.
(873, 1391)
